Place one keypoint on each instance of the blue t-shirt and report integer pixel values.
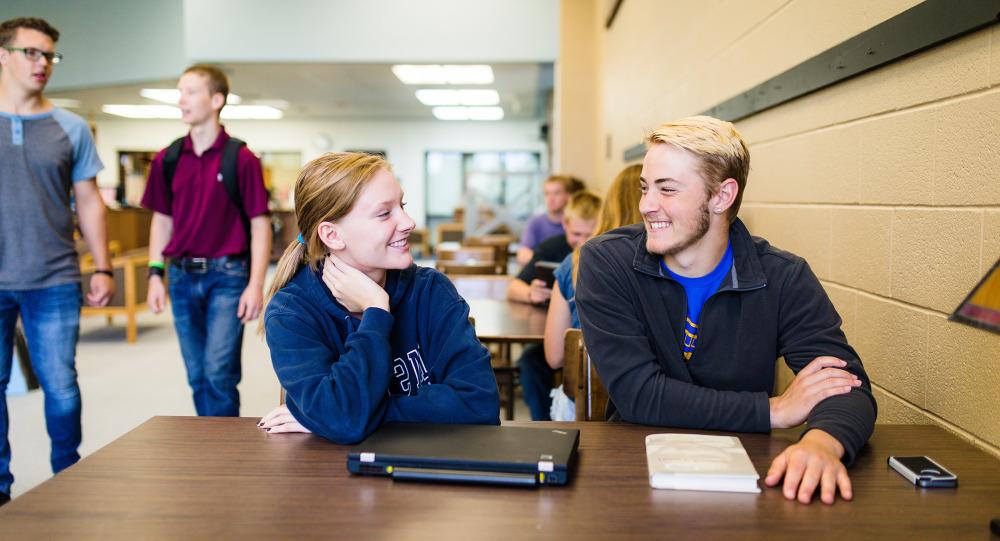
(698, 290)
(564, 277)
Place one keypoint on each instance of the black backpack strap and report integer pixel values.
(170, 160)
(230, 179)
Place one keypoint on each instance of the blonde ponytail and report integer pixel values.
(292, 258)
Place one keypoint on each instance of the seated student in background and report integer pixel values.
(620, 208)
(580, 219)
(685, 314)
(557, 189)
(358, 334)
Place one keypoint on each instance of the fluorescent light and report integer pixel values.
(172, 95)
(469, 75)
(229, 112)
(251, 112)
(65, 103)
(468, 113)
(441, 96)
(450, 113)
(485, 113)
(420, 75)
(449, 74)
(164, 95)
(143, 111)
(279, 104)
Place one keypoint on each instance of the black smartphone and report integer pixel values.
(545, 271)
(923, 472)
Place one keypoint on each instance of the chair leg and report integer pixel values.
(509, 392)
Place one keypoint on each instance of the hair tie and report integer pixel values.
(300, 239)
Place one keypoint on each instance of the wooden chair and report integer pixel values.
(501, 248)
(129, 271)
(506, 380)
(420, 240)
(466, 260)
(449, 232)
(580, 379)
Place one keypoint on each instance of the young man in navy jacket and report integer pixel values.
(685, 314)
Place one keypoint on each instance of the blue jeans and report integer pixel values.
(51, 319)
(205, 300)
(536, 382)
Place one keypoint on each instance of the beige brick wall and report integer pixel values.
(886, 183)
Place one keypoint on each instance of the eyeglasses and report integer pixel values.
(35, 55)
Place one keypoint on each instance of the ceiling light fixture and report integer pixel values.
(65, 103)
(229, 112)
(442, 96)
(172, 95)
(448, 74)
(468, 113)
(251, 112)
(142, 111)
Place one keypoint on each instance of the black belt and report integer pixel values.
(203, 263)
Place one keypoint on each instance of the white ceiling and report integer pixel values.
(339, 91)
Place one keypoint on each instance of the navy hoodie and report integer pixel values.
(344, 377)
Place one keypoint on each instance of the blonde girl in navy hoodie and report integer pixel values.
(359, 335)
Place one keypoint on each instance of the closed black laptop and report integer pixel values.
(504, 455)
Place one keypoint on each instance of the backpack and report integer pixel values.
(227, 174)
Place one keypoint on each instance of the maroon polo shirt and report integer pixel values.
(205, 222)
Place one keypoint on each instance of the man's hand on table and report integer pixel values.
(813, 462)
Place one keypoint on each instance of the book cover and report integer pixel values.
(697, 462)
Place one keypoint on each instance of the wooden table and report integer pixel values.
(222, 478)
(507, 322)
(497, 319)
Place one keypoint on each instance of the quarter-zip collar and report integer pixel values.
(746, 274)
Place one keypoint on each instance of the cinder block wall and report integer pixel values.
(888, 183)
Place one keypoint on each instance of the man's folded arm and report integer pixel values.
(810, 327)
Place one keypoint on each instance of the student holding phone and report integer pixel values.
(579, 221)
(358, 334)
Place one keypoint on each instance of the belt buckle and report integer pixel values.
(198, 264)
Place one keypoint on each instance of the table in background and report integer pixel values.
(190, 477)
(497, 319)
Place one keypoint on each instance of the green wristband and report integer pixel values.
(156, 265)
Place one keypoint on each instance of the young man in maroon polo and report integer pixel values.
(216, 273)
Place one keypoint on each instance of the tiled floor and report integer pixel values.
(124, 384)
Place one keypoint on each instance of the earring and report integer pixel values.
(718, 210)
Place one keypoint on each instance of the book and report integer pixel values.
(697, 462)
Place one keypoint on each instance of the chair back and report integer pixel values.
(420, 242)
(580, 379)
(466, 260)
(449, 232)
(501, 248)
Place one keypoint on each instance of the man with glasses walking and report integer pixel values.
(47, 161)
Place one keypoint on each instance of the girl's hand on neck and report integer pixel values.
(352, 288)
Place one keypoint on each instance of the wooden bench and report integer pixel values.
(129, 270)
